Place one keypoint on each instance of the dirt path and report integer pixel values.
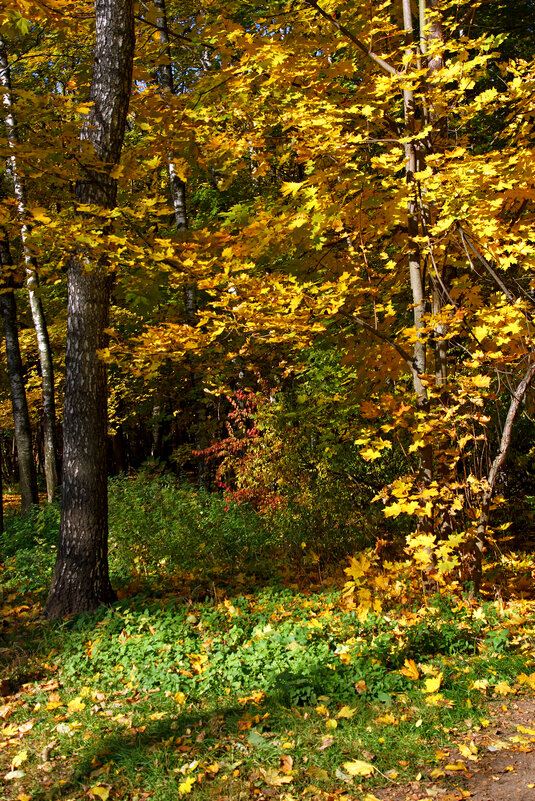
(500, 765)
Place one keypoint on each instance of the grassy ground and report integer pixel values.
(231, 686)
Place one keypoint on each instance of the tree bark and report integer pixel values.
(81, 576)
(21, 417)
(32, 284)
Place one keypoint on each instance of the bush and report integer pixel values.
(160, 525)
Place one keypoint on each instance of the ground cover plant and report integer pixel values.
(240, 683)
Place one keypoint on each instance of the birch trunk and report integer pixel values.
(81, 577)
(413, 164)
(32, 284)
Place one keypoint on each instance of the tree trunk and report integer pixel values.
(81, 577)
(475, 546)
(178, 194)
(413, 164)
(32, 284)
(21, 418)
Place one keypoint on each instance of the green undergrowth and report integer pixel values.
(229, 670)
(272, 689)
(159, 526)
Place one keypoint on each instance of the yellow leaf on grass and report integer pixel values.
(346, 712)
(502, 688)
(432, 684)
(388, 718)
(525, 679)
(180, 698)
(410, 670)
(185, 786)
(76, 705)
(99, 791)
(359, 768)
(18, 759)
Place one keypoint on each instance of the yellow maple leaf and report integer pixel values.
(76, 705)
(359, 768)
(433, 683)
(469, 751)
(410, 670)
(185, 786)
(525, 679)
(389, 719)
(346, 712)
(18, 759)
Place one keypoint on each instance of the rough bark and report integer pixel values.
(21, 418)
(32, 284)
(81, 578)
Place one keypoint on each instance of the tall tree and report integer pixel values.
(81, 577)
(32, 283)
(21, 417)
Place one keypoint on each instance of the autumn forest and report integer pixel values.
(267, 293)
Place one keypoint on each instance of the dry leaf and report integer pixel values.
(326, 742)
(100, 791)
(286, 763)
(359, 768)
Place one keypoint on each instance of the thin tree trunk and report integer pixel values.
(178, 194)
(81, 576)
(476, 546)
(413, 159)
(21, 417)
(32, 284)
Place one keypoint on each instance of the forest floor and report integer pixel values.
(267, 692)
(264, 680)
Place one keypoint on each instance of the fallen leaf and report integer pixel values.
(346, 712)
(286, 763)
(317, 773)
(14, 774)
(359, 768)
(410, 670)
(272, 777)
(76, 705)
(18, 759)
(100, 791)
(326, 742)
(433, 683)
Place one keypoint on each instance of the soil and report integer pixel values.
(503, 769)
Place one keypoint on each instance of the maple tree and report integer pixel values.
(358, 182)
